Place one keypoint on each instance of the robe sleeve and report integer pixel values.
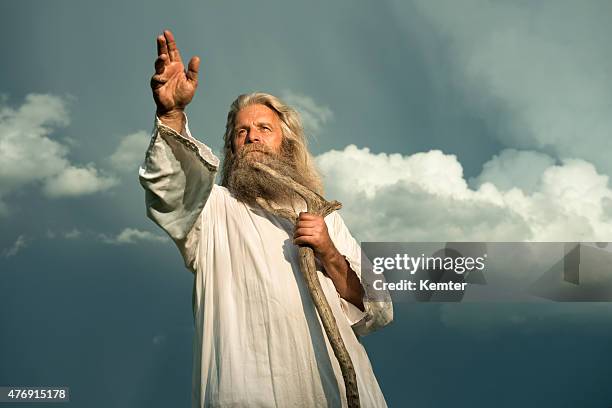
(377, 314)
(178, 176)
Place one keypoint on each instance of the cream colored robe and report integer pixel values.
(258, 339)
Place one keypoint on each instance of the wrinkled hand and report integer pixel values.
(311, 230)
(173, 87)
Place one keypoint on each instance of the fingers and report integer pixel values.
(157, 81)
(303, 241)
(162, 60)
(162, 47)
(310, 240)
(318, 244)
(304, 232)
(310, 220)
(308, 216)
(172, 49)
(160, 63)
(310, 229)
(193, 69)
(307, 224)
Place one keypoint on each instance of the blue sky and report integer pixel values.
(431, 121)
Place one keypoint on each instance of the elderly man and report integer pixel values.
(258, 339)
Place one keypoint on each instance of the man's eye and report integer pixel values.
(267, 129)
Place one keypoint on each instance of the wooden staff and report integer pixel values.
(315, 204)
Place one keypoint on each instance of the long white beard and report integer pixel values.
(246, 183)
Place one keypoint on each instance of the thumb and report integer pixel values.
(193, 68)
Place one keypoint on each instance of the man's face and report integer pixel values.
(258, 138)
(257, 124)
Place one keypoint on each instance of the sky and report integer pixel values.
(441, 120)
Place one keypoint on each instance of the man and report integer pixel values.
(258, 339)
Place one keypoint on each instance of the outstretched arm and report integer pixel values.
(178, 171)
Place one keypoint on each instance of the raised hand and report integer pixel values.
(173, 87)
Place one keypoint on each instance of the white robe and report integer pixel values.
(258, 339)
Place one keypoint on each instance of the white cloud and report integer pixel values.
(125, 236)
(130, 152)
(75, 181)
(29, 155)
(313, 115)
(514, 168)
(551, 79)
(17, 246)
(540, 73)
(424, 197)
(72, 234)
(132, 236)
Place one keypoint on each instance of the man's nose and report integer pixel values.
(253, 137)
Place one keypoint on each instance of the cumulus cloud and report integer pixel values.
(547, 68)
(424, 197)
(74, 181)
(513, 168)
(132, 236)
(313, 115)
(540, 74)
(17, 246)
(29, 155)
(130, 152)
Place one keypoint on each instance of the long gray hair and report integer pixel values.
(293, 143)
